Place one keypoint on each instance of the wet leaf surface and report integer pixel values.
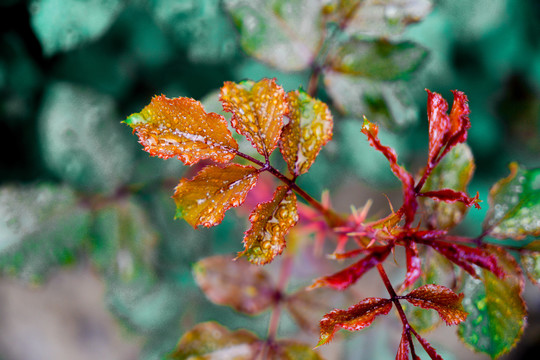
(441, 299)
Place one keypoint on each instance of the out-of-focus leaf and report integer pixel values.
(446, 302)
(204, 199)
(414, 265)
(514, 205)
(210, 340)
(454, 172)
(62, 25)
(348, 276)
(274, 32)
(387, 103)
(376, 59)
(531, 263)
(181, 128)
(309, 129)
(354, 318)
(258, 109)
(270, 222)
(81, 139)
(200, 25)
(123, 240)
(42, 226)
(497, 313)
(238, 284)
(292, 350)
(378, 18)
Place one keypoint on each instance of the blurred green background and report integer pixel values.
(77, 190)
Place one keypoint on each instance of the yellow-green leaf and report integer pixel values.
(205, 199)
(514, 205)
(497, 313)
(454, 172)
(531, 264)
(181, 128)
(309, 129)
(270, 222)
(257, 111)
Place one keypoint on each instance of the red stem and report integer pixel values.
(395, 299)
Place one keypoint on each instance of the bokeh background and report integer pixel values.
(93, 264)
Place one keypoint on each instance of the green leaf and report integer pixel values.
(211, 340)
(514, 205)
(531, 264)
(124, 241)
(42, 226)
(239, 284)
(376, 59)
(380, 18)
(497, 313)
(386, 103)
(82, 139)
(285, 34)
(453, 172)
(62, 25)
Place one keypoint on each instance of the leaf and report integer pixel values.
(454, 172)
(446, 302)
(414, 265)
(258, 110)
(272, 31)
(211, 340)
(380, 18)
(123, 241)
(62, 25)
(403, 349)
(531, 264)
(81, 140)
(204, 199)
(42, 226)
(376, 59)
(446, 131)
(237, 284)
(270, 222)
(514, 205)
(348, 276)
(181, 128)
(428, 348)
(465, 257)
(354, 318)
(292, 350)
(409, 196)
(497, 313)
(387, 103)
(309, 129)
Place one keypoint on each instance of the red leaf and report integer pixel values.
(446, 302)
(450, 196)
(354, 318)
(258, 110)
(413, 265)
(409, 196)
(348, 276)
(204, 199)
(446, 131)
(429, 349)
(181, 128)
(403, 350)
(464, 256)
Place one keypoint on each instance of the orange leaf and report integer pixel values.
(309, 129)
(446, 302)
(204, 199)
(270, 222)
(181, 128)
(354, 318)
(258, 110)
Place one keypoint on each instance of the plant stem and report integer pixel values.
(284, 275)
(313, 81)
(395, 299)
